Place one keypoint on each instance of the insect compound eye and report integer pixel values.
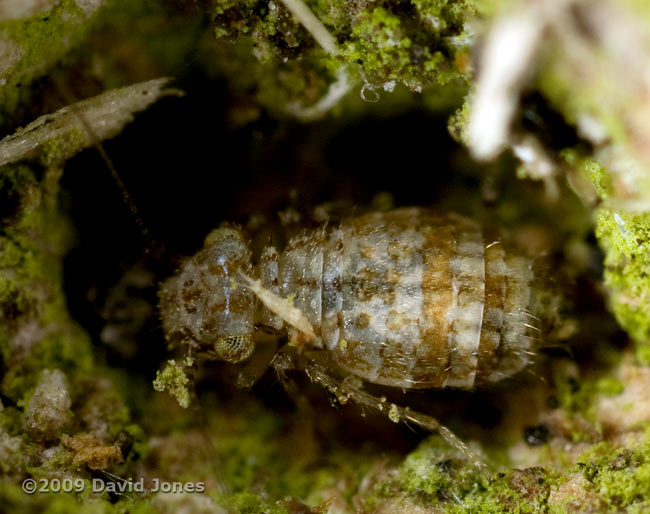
(234, 348)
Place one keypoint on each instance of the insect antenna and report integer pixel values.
(152, 246)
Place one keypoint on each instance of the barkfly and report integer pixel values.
(410, 298)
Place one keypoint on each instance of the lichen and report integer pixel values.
(48, 409)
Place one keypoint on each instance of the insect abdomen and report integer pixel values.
(415, 299)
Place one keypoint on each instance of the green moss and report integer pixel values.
(599, 177)
(579, 400)
(37, 333)
(13, 499)
(122, 42)
(590, 169)
(255, 453)
(408, 47)
(428, 471)
(66, 351)
(43, 40)
(643, 355)
(620, 476)
(175, 379)
(248, 451)
(432, 476)
(248, 503)
(35, 314)
(625, 238)
(10, 420)
(55, 151)
(139, 448)
(458, 123)
(609, 386)
(418, 44)
(256, 84)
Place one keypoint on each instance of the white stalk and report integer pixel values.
(309, 20)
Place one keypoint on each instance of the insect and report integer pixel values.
(410, 298)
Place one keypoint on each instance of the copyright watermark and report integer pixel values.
(97, 485)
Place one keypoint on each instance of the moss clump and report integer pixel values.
(175, 378)
(432, 477)
(457, 124)
(383, 43)
(598, 176)
(625, 237)
(14, 499)
(248, 503)
(36, 331)
(621, 476)
(50, 384)
(643, 355)
(393, 42)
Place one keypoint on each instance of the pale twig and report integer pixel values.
(313, 25)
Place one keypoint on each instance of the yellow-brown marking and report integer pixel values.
(433, 351)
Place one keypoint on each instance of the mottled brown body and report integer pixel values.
(410, 298)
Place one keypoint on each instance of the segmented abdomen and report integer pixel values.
(412, 298)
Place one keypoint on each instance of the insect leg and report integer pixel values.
(350, 390)
(283, 362)
(286, 360)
